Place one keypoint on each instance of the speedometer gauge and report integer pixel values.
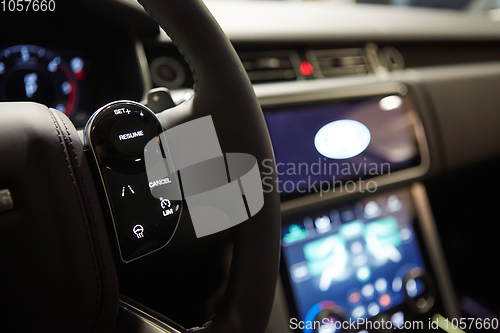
(32, 73)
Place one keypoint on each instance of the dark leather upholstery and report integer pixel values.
(223, 90)
(56, 267)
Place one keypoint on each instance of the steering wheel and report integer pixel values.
(57, 264)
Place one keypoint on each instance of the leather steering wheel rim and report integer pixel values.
(223, 90)
(56, 257)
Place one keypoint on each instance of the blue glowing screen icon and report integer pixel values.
(342, 139)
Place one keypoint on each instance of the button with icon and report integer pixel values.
(138, 230)
(393, 203)
(323, 224)
(371, 210)
(166, 207)
(347, 214)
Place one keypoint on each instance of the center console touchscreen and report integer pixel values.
(337, 142)
(359, 261)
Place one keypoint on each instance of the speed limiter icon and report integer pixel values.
(215, 202)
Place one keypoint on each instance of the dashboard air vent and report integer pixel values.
(270, 66)
(339, 62)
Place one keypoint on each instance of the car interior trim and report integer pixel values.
(130, 316)
(431, 240)
(144, 69)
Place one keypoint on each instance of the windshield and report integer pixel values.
(466, 5)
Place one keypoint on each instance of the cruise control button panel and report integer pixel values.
(115, 139)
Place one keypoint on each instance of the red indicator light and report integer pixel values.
(80, 75)
(306, 68)
(384, 300)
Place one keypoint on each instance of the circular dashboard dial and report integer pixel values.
(32, 73)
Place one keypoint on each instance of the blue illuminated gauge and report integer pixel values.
(32, 73)
(324, 317)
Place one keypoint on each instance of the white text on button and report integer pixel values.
(159, 182)
(131, 135)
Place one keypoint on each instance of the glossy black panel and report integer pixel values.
(117, 135)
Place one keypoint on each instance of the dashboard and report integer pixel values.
(84, 73)
(373, 112)
(72, 80)
(66, 62)
(54, 78)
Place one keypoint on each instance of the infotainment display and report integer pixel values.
(337, 143)
(353, 260)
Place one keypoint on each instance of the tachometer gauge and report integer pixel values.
(32, 73)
